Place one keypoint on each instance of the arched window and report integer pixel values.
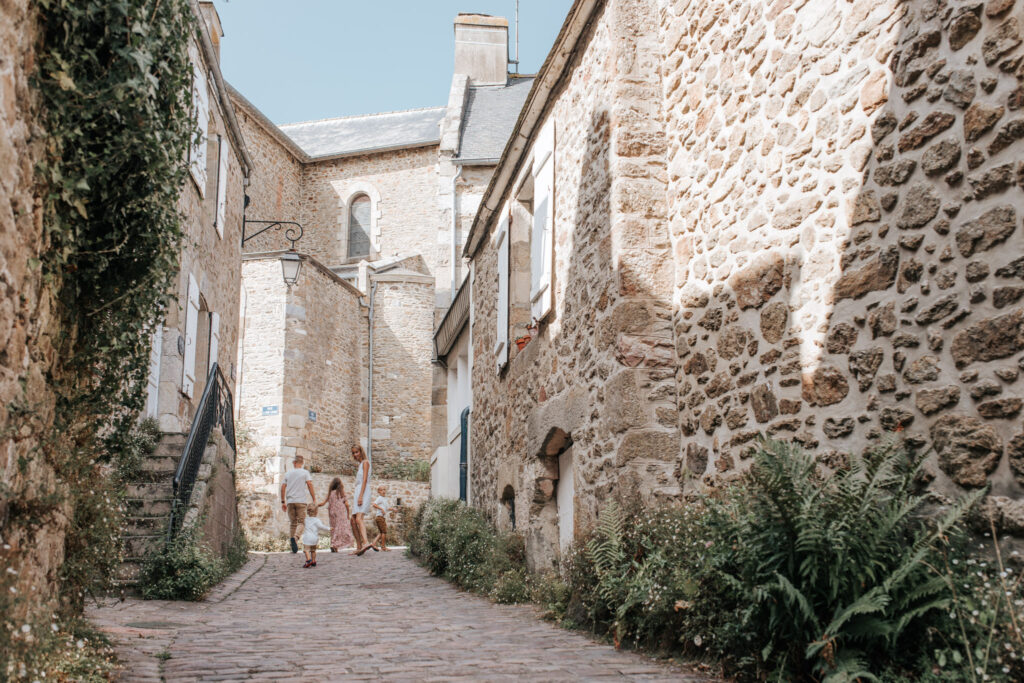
(359, 226)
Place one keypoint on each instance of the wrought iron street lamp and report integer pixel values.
(291, 264)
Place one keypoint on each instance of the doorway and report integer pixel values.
(565, 499)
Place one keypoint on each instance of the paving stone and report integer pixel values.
(273, 620)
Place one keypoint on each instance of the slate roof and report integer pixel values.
(367, 133)
(491, 113)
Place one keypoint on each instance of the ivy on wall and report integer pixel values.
(114, 84)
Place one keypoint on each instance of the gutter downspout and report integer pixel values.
(369, 390)
(455, 228)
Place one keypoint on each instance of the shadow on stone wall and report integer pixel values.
(885, 300)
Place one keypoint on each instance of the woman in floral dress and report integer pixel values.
(338, 512)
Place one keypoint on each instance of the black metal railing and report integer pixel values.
(216, 409)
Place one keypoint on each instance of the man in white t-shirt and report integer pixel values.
(293, 497)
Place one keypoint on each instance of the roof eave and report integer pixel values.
(477, 162)
(548, 79)
(373, 150)
(228, 111)
(269, 126)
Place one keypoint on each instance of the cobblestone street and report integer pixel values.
(380, 617)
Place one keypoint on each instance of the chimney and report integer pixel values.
(212, 24)
(481, 48)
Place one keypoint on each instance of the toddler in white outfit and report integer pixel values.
(311, 535)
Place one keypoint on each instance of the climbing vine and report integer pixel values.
(114, 83)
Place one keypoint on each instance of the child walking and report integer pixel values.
(380, 512)
(311, 535)
(338, 512)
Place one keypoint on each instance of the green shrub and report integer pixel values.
(186, 570)
(830, 574)
(791, 575)
(460, 544)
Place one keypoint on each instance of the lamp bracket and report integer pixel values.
(293, 231)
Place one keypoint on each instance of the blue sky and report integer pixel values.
(299, 60)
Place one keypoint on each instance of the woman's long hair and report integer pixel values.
(362, 453)
(336, 485)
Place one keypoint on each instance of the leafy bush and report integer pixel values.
(186, 570)
(831, 575)
(460, 544)
(789, 574)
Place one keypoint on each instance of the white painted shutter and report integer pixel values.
(501, 337)
(153, 382)
(222, 185)
(214, 340)
(542, 239)
(201, 109)
(188, 374)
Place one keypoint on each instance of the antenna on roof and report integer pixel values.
(516, 61)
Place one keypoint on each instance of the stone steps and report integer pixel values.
(149, 501)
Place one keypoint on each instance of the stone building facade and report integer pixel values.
(201, 326)
(797, 219)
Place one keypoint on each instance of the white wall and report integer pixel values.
(444, 469)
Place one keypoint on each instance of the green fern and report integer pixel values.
(835, 568)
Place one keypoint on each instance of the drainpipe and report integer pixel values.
(455, 228)
(369, 389)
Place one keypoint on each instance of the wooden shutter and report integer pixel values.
(214, 340)
(153, 382)
(222, 184)
(201, 111)
(501, 337)
(542, 239)
(188, 373)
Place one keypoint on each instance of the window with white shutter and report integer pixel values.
(188, 373)
(542, 238)
(501, 337)
(222, 184)
(214, 340)
(201, 112)
(153, 382)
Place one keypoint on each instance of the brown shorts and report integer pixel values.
(382, 524)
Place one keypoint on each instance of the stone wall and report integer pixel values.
(599, 372)
(798, 219)
(27, 326)
(403, 186)
(301, 367)
(262, 357)
(320, 404)
(845, 209)
(402, 380)
(275, 189)
(214, 498)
